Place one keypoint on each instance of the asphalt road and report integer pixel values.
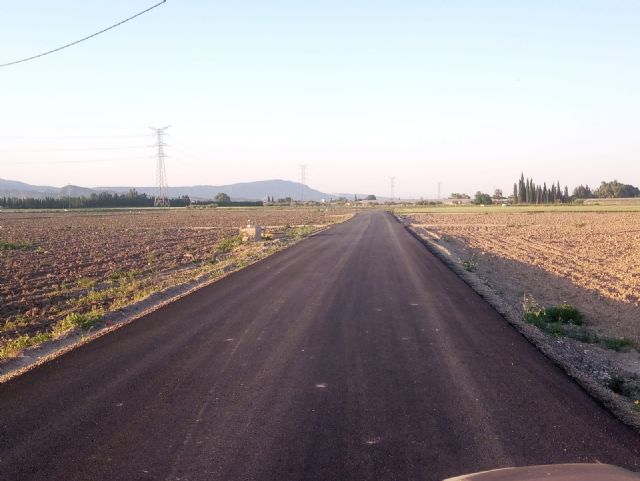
(354, 355)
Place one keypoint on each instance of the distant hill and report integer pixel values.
(277, 188)
(13, 188)
(242, 191)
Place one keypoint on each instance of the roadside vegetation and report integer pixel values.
(566, 320)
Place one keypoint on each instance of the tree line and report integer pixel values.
(103, 199)
(607, 190)
(527, 191)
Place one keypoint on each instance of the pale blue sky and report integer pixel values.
(466, 92)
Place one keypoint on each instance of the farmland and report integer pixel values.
(580, 257)
(60, 270)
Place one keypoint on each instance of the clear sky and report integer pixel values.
(469, 93)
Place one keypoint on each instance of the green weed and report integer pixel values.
(15, 346)
(84, 321)
(85, 283)
(471, 264)
(14, 246)
(616, 344)
(301, 232)
(228, 244)
(554, 320)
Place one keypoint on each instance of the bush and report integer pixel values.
(552, 320)
(228, 244)
(619, 385)
(471, 264)
(564, 314)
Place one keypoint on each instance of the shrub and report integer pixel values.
(564, 314)
(618, 385)
(553, 320)
(471, 264)
(228, 244)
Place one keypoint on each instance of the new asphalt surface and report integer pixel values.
(354, 355)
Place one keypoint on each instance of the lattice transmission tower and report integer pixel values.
(161, 199)
(303, 179)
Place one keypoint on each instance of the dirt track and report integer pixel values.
(354, 355)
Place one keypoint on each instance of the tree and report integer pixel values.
(497, 194)
(522, 190)
(222, 198)
(615, 189)
(526, 191)
(371, 197)
(481, 198)
(456, 195)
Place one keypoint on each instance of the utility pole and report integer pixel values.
(303, 179)
(160, 199)
(392, 182)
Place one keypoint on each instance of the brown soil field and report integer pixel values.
(54, 264)
(590, 260)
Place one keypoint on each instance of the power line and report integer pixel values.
(181, 146)
(34, 162)
(82, 149)
(83, 39)
(64, 137)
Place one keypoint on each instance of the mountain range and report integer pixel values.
(257, 190)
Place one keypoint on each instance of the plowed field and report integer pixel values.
(591, 260)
